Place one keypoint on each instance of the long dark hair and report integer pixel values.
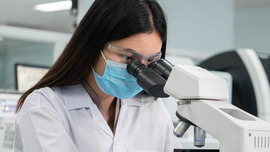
(105, 21)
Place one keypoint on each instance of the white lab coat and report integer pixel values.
(65, 119)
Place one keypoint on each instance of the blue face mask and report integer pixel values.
(116, 81)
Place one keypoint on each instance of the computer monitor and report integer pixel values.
(251, 90)
(27, 75)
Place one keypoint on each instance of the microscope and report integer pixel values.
(203, 102)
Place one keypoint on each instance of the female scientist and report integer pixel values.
(87, 102)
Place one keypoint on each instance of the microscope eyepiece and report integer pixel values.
(135, 67)
(147, 78)
(163, 67)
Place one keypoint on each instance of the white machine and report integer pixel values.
(251, 91)
(187, 140)
(202, 102)
(8, 102)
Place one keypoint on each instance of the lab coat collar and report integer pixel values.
(76, 97)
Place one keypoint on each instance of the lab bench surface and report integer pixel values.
(196, 150)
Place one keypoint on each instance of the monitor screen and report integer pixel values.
(28, 75)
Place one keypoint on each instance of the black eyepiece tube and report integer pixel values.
(147, 78)
(135, 67)
(163, 67)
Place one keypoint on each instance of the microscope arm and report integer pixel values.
(202, 100)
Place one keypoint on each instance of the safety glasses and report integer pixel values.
(126, 55)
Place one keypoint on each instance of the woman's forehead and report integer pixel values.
(143, 43)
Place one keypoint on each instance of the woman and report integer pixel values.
(86, 102)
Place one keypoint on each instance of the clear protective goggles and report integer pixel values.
(121, 55)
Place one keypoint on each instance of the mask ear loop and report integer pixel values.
(93, 70)
(103, 56)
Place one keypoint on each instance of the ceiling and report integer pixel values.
(20, 13)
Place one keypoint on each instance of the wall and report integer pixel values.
(252, 28)
(83, 6)
(199, 28)
(2, 63)
(195, 28)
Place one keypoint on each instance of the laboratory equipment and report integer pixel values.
(265, 59)
(170, 104)
(251, 90)
(8, 102)
(202, 102)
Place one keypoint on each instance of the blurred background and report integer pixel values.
(34, 33)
